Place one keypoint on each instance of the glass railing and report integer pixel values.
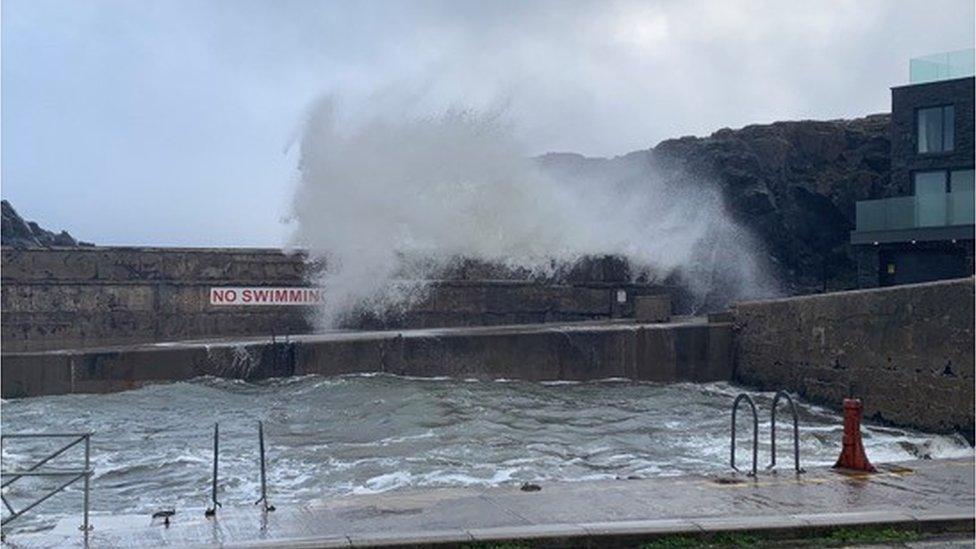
(942, 66)
(961, 208)
(911, 212)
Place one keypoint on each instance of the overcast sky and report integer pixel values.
(170, 122)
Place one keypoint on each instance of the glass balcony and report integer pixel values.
(913, 212)
(942, 66)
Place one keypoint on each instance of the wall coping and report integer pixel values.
(970, 280)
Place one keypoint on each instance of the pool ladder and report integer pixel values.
(214, 503)
(772, 438)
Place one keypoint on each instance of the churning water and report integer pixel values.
(369, 433)
(394, 191)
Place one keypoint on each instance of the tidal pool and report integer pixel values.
(152, 447)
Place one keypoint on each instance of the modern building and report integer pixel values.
(926, 231)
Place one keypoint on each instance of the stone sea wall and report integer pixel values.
(69, 297)
(906, 351)
(54, 298)
(684, 351)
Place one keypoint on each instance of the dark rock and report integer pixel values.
(18, 233)
(793, 184)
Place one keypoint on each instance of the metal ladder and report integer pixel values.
(755, 432)
(796, 433)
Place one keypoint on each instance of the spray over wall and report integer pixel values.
(387, 201)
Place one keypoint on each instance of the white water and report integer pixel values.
(327, 437)
(400, 194)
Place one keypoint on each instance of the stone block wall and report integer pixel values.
(71, 297)
(907, 351)
(54, 298)
(652, 308)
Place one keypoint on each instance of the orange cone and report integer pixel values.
(852, 455)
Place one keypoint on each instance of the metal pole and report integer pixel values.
(264, 484)
(772, 434)
(732, 445)
(796, 440)
(213, 493)
(85, 527)
(755, 438)
(216, 454)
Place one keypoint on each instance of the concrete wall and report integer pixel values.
(71, 297)
(907, 351)
(693, 351)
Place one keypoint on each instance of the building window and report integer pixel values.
(936, 129)
(943, 197)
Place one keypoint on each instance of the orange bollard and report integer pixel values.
(852, 455)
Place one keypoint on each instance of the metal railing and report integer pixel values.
(772, 435)
(796, 432)
(264, 483)
(755, 431)
(212, 510)
(72, 475)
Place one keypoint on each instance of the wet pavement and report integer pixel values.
(932, 495)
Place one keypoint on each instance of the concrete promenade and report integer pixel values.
(927, 496)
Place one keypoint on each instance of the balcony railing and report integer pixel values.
(942, 66)
(915, 212)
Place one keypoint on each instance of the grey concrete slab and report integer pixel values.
(411, 538)
(637, 527)
(941, 515)
(762, 522)
(558, 534)
(957, 543)
(888, 516)
(292, 543)
(935, 495)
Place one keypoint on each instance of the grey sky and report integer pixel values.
(169, 122)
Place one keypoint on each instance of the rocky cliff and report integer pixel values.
(18, 233)
(793, 184)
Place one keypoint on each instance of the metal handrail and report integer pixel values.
(796, 432)
(264, 484)
(755, 432)
(35, 471)
(211, 511)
